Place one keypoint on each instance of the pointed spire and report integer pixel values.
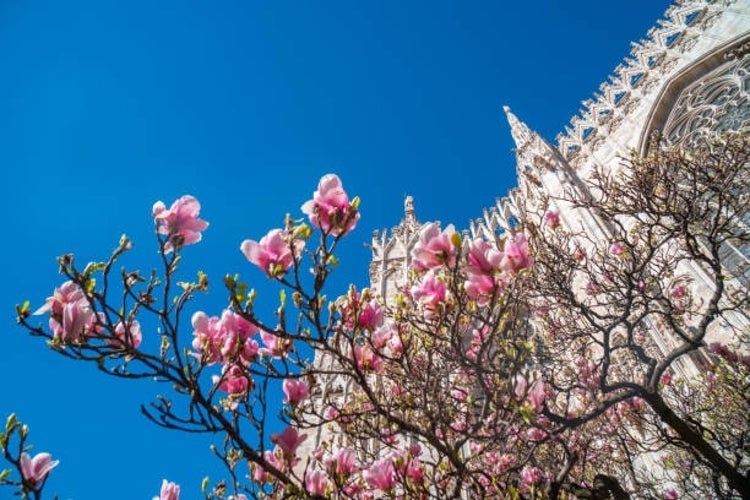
(518, 129)
(409, 209)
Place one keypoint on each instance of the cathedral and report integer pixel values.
(687, 80)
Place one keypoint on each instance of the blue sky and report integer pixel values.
(107, 107)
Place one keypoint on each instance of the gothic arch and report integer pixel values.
(711, 94)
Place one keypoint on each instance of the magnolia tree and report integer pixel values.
(646, 325)
(538, 364)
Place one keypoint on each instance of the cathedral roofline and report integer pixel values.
(655, 55)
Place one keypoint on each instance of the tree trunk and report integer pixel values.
(734, 477)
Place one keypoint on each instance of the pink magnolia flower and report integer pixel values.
(483, 270)
(316, 482)
(429, 294)
(406, 463)
(617, 248)
(537, 395)
(341, 462)
(531, 475)
(275, 346)
(382, 335)
(234, 380)
(552, 219)
(434, 248)
(669, 494)
(180, 223)
(288, 441)
(234, 336)
(516, 254)
(536, 434)
(366, 359)
(371, 315)
(593, 288)
(207, 337)
(520, 384)
(68, 293)
(260, 475)
(226, 339)
(35, 470)
(480, 287)
(332, 413)
(129, 335)
(380, 475)
(295, 391)
(78, 322)
(169, 491)
(274, 254)
(330, 209)
(483, 257)
(396, 345)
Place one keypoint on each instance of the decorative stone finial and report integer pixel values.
(409, 208)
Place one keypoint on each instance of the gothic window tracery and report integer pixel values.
(716, 103)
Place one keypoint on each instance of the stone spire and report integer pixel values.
(409, 214)
(518, 129)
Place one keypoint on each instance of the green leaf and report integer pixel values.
(332, 261)
(93, 267)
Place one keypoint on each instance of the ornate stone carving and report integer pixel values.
(717, 102)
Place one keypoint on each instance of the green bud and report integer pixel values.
(456, 240)
(230, 281)
(23, 311)
(125, 242)
(10, 422)
(332, 261)
(203, 280)
(355, 203)
(301, 231)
